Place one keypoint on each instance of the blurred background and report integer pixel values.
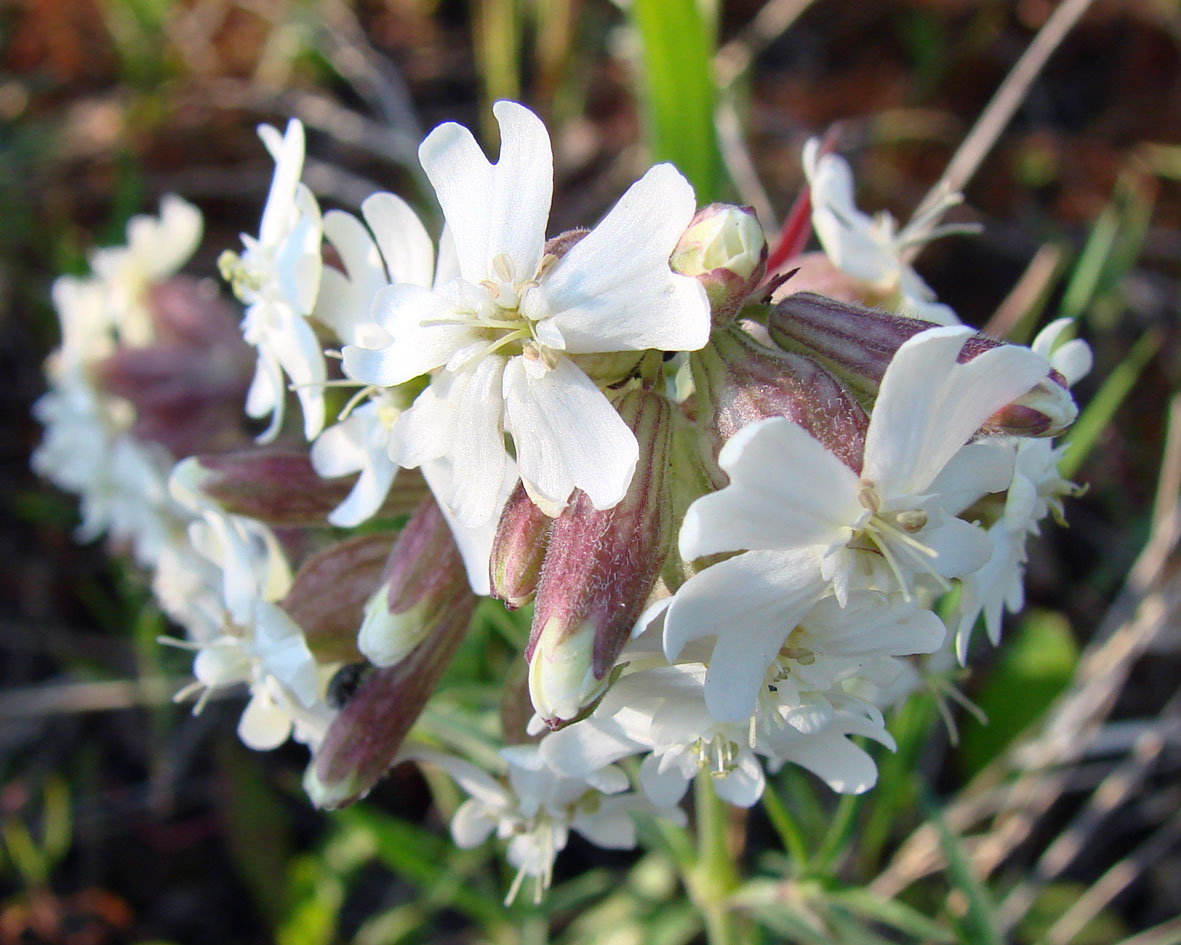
(124, 818)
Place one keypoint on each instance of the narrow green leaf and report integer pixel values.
(891, 912)
(979, 923)
(678, 90)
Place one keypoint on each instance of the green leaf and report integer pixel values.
(890, 912)
(258, 833)
(678, 90)
(979, 924)
(1035, 666)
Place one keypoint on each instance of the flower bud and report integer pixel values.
(281, 488)
(518, 549)
(725, 249)
(413, 624)
(857, 345)
(188, 382)
(423, 581)
(328, 595)
(740, 381)
(363, 739)
(599, 569)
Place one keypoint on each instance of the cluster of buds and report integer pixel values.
(730, 498)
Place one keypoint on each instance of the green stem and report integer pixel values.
(715, 875)
(786, 827)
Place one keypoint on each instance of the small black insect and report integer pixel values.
(345, 683)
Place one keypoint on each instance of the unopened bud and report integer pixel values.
(423, 581)
(188, 381)
(518, 549)
(857, 345)
(281, 488)
(363, 739)
(328, 595)
(725, 249)
(600, 566)
(740, 381)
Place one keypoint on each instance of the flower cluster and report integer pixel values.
(731, 497)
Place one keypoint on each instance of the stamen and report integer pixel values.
(355, 400)
(502, 266)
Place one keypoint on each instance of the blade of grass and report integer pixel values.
(890, 912)
(678, 91)
(979, 922)
(789, 832)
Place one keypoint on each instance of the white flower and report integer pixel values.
(156, 248)
(88, 450)
(399, 251)
(662, 713)
(277, 277)
(536, 810)
(258, 643)
(871, 249)
(1037, 489)
(781, 652)
(896, 519)
(500, 336)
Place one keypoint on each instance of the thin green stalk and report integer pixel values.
(785, 825)
(715, 876)
(838, 831)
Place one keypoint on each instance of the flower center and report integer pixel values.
(718, 755)
(505, 316)
(892, 535)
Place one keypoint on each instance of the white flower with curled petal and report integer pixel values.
(780, 651)
(258, 643)
(156, 248)
(1037, 490)
(896, 519)
(536, 810)
(872, 249)
(394, 249)
(277, 276)
(662, 714)
(500, 336)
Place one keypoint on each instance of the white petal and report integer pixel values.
(664, 788)
(611, 826)
(263, 724)
(405, 246)
(567, 435)
(978, 469)
(283, 651)
(471, 825)
(416, 349)
(743, 785)
(474, 542)
(577, 750)
(342, 448)
(751, 603)
(843, 766)
(345, 299)
(614, 290)
(960, 547)
(493, 208)
(929, 405)
(459, 417)
(786, 491)
(288, 156)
